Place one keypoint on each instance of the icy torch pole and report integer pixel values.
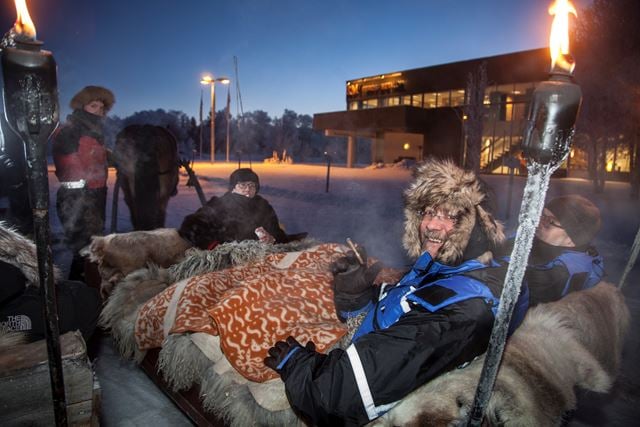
(546, 143)
(31, 109)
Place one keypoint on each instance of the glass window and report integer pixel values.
(523, 91)
(444, 99)
(416, 100)
(369, 103)
(619, 159)
(505, 89)
(508, 108)
(519, 111)
(405, 100)
(391, 101)
(353, 105)
(487, 94)
(457, 97)
(430, 100)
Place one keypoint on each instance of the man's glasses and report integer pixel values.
(442, 216)
(246, 186)
(547, 220)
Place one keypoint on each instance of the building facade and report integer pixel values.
(422, 112)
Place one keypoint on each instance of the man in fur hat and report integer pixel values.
(240, 214)
(434, 319)
(80, 157)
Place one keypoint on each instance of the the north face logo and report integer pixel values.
(20, 322)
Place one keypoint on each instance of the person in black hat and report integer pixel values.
(240, 214)
(563, 258)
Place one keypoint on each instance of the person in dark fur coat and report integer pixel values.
(80, 157)
(20, 300)
(240, 214)
(435, 319)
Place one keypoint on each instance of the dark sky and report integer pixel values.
(291, 54)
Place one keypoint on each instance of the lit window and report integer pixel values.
(457, 97)
(405, 100)
(444, 99)
(369, 103)
(391, 101)
(430, 100)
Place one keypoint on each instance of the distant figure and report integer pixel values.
(80, 158)
(240, 214)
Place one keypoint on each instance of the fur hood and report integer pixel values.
(442, 184)
(20, 252)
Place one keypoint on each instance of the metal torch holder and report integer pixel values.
(31, 109)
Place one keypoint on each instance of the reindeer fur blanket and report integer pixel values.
(576, 341)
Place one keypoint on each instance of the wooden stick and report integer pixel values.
(353, 248)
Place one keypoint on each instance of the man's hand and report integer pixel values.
(353, 281)
(280, 353)
(264, 236)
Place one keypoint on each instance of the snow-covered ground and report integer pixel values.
(366, 205)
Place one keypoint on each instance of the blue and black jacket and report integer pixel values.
(434, 320)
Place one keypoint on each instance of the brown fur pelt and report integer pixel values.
(559, 345)
(9, 339)
(120, 312)
(119, 254)
(17, 250)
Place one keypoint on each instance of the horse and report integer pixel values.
(146, 159)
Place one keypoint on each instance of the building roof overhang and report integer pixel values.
(400, 118)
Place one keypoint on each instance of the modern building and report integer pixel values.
(422, 112)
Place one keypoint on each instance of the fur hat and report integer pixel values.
(93, 93)
(441, 184)
(243, 175)
(579, 217)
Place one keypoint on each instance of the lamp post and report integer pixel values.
(211, 81)
(228, 114)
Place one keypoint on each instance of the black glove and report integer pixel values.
(280, 353)
(353, 282)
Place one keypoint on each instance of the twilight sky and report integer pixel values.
(291, 54)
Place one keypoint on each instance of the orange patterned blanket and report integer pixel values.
(251, 307)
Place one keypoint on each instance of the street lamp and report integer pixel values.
(211, 81)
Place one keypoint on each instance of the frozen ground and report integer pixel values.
(366, 205)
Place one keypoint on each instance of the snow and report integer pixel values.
(365, 204)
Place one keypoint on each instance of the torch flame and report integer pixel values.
(24, 25)
(559, 37)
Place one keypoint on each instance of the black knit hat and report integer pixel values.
(579, 217)
(244, 175)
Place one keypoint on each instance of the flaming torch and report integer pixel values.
(547, 139)
(31, 110)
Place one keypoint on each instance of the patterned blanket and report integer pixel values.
(251, 307)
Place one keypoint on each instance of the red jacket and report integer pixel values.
(79, 153)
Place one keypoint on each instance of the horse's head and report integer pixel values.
(147, 162)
